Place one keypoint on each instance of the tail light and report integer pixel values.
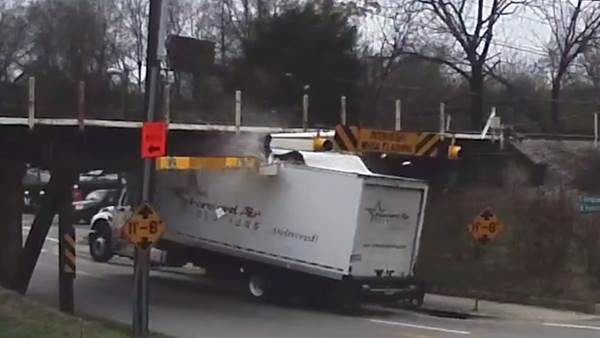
(77, 194)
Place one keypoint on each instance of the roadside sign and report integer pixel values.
(373, 140)
(486, 226)
(154, 139)
(144, 228)
(589, 204)
(386, 141)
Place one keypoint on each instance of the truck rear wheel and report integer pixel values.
(416, 302)
(267, 287)
(258, 286)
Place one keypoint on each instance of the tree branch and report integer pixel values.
(442, 61)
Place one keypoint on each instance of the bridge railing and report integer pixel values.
(49, 97)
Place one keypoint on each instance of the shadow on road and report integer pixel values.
(187, 288)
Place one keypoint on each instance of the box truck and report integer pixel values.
(318, 224)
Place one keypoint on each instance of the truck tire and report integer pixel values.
(267, 287)
(258, 286)
(100, 242)
(416, 302)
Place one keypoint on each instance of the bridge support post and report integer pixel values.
(66, 245)
(11, 209)
(60, 181)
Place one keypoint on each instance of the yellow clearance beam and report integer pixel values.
(210, 163)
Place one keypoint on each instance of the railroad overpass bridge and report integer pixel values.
(69, 146)
(76, 143)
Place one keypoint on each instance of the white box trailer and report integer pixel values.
(321, 220)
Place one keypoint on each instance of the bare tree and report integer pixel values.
(135, 22)
(13, 31)
(391, 26)
(591, 63)
(70, 37)
(470, 24)
(574, 25)
(243, 13)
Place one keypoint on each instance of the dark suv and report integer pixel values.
(85, 209)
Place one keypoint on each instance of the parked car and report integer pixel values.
(34, 185)
(85, 209)
(95, 180)
(36, 180)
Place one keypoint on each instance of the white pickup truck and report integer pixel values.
(320, 224)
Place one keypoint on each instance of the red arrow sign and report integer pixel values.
(154, 139)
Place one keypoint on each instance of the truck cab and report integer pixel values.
(105, 239)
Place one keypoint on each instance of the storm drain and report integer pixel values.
(446, 314)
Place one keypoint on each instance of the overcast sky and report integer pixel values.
(521, 35)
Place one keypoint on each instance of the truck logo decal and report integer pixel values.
(290, 234)
(378, 214)
(246, 217)
(251, 212)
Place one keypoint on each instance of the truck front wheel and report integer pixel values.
(100, 242)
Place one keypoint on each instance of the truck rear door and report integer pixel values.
(389, 228)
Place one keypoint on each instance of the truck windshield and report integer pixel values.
(97, 195)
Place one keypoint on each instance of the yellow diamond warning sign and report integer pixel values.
(485, 227)
(144, 228)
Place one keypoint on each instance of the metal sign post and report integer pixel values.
(143, 229)
(156, 27)
(477, 253)
(141, 292)
(484, 227)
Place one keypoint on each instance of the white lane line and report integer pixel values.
(573, 326)
(423, 327)
(52, 239)
(87, 274)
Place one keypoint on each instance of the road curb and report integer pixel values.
(590, 307)
(449, 313)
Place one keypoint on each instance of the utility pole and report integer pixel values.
(142, 255)
(596, 130)
(305, 103)
(223, 47)
(398, 115)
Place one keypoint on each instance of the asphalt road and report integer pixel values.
(184, 303)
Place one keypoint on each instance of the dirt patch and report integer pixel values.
(545, 256)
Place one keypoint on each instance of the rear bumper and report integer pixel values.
(392, 290)
(393, 294)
